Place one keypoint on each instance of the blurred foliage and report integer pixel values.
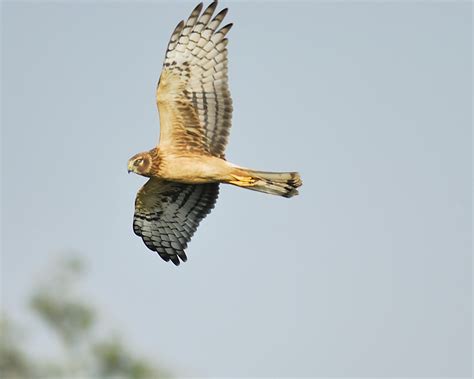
(72, 320)
(114, 360)
(13, 361)
(57, 304)
(68, 319)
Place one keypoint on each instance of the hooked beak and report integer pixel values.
(129, 168)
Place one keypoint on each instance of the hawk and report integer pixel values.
(187, 166)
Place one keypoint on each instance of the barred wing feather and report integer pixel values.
(168, 213)
(193, 96)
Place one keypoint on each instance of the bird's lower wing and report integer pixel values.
(168, 213)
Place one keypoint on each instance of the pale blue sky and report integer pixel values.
(366, 273)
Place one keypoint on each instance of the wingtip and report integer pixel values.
(175, 260)
(178, 28)
(212, 7)
(225, 29)
(222, 13)
(198, 8)
(182, 255)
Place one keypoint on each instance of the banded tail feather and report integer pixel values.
(275, 183)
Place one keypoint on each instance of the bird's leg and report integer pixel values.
(243, 181)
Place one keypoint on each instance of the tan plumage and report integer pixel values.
(188, 164)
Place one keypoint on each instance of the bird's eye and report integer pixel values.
(138, 161)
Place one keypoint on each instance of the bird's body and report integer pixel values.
(187, 166)
(195, 170)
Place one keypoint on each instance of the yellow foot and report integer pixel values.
(243, 181)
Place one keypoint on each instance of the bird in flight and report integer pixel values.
(187, 166)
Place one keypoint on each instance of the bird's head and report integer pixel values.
(140, 164)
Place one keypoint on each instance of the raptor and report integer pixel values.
(188, 165)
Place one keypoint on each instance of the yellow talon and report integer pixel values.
(243, 181)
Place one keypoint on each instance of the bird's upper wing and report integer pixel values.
(192, 95)
(168, 213)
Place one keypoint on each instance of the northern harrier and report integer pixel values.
(188, 164)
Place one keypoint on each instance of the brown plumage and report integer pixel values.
(188, 164)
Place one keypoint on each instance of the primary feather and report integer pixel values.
(193, 95)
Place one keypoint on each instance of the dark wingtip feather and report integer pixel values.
(198, 7)
(195, 12)
(182, 255)
(175, 260)
(163, 256)
(225, 29)
(221, 14)
(211, 8)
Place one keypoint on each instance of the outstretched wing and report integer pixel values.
(193, 95)
(168, 213)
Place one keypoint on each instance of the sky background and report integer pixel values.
(366, 273)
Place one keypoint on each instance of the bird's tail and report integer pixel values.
(276, 183)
